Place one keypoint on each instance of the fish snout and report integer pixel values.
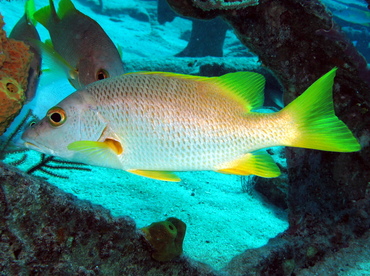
(33, 137)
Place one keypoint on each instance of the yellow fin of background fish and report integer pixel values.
(318, 126)
(259, 163)
(158, 175)
(56, 63)
(30, 10)
(65, 6)
(43, 15)
(247, 88)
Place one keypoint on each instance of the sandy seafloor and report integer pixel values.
(221, 219)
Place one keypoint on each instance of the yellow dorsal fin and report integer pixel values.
(247, 88)
(158, 175)
(169, 74)
(65, 6)
(258, 163)
(244, 87)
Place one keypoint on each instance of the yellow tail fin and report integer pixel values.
(316, 125)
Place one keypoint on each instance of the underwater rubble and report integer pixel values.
(45, 231)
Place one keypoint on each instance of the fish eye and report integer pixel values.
(57, 116)
(102, 74)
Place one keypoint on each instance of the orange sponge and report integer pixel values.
(15, 59)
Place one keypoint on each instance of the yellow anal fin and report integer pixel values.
(158, 175)
(258, 163)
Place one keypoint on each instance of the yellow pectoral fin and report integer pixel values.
(258, 163)
(158, 175)
(96, 147)
(98, 153)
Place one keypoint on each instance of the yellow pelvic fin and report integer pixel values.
(247, 88)
(258, 163)
(158, 175)
(315, 124)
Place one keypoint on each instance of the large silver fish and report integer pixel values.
(152, 124)
(81, 43)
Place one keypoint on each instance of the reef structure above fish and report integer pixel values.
(153, 124)
(79, 44)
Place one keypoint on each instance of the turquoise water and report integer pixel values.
(209, 203)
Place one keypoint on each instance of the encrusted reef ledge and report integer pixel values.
(45, 231)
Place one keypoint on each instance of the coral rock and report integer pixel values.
(166, 238)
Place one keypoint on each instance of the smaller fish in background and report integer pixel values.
(368, 6)
(79, 44)
(25, 31)
(354, 15)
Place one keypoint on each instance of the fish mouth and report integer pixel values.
(32, 146)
